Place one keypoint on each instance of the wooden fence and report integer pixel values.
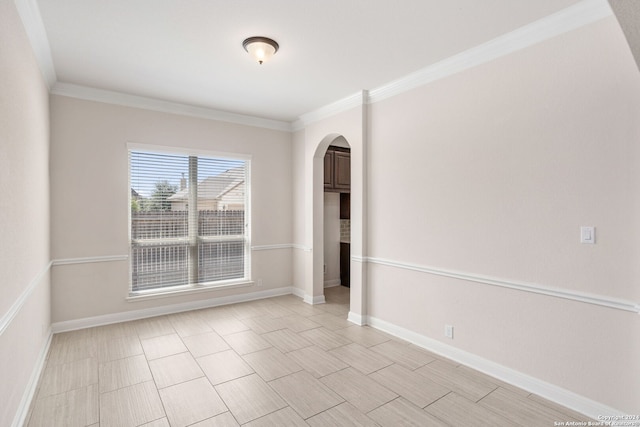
(162, 265)
(171, 224)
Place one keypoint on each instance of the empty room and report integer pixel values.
(329, 213)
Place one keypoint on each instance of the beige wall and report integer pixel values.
(89, 205)
(348, 125)
(496, 168)
(24, 213)
(298, 187)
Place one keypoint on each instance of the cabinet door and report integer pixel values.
(328, 170)
(345, 205)
(342, 171)
(345, 264)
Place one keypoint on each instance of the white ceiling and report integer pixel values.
(190, 52)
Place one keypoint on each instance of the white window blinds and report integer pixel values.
(188, 220)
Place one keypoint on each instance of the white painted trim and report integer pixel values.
(358, 319)
(344, 104)
(573, 17)
(272, 247)
(8, 317)
(601, 300)
(127, 100)
(184, 151)
(187, 289)
(563, 21)
(297, 292)
(549, 391)
(302, 247)
(106, 319)
(30, 391)
(309, 299)
(88, 260)
(34, 27)
(297, 125)
(332, 283)
(357, 258)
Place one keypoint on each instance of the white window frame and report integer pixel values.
(193, 287)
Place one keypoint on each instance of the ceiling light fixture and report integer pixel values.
(260, 48)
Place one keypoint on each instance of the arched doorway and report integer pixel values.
(316, 265)
(337, 204)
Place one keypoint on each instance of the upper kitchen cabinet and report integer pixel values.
(337, 170)
(328, 170)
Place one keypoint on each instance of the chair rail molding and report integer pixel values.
(601, 300)
(13, 311)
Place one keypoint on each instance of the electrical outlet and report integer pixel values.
(259, 282)
(448, 331)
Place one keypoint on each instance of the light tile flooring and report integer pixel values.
(273, 362)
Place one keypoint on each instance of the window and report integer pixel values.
(189, 224)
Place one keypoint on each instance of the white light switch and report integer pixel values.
(588, 235)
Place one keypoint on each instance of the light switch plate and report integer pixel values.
(588, 235)
(448, 331)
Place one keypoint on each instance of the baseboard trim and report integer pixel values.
(309, 299)
(544, 389)
(332, 283)
(29, 393)
(358, 319)
(106, 319)
(297, 292)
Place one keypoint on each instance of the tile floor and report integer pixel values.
(273, 362)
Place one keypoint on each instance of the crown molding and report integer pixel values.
(34, 27)
(580, 14)
(135, 101)
(352, 101)
(571, 18)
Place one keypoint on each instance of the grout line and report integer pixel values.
(99, 339)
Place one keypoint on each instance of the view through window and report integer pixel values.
(189, 225)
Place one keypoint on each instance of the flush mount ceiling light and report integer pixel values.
(260, 48)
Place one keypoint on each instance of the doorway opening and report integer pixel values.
(337, 220)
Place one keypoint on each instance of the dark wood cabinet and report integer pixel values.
(345, 264)
(342, 171)
(328, 170)
(337, 170)
(345, 205)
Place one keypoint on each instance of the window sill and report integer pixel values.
(186, 290)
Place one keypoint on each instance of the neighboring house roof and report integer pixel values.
(213, 187)
(134, 194)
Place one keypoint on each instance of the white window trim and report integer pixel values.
(193, 287)
(187, 290)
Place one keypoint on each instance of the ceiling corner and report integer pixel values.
(628, 14)
(32, 21)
